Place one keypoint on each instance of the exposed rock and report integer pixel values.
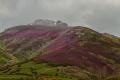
(61, 24)
(46, 22)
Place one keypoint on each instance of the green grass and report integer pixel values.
(12, 77)
(33, 69)
(114, 77)
(68, 79)
(44, 69)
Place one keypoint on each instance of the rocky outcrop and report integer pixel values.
(46, 22)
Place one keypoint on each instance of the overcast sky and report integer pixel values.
(101, 15)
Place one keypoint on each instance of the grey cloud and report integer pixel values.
(97, 14)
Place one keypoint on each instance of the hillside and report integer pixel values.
(83, 46)
(27, 39)
(39, 52)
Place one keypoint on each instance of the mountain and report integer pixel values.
(25, 39)
(83, 46)
(42, 51)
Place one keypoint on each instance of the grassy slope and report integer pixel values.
(46, 71)
(5, 56)
(81, 46)
(28, 39)
(34, 71)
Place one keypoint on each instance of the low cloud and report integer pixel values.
(101, 15)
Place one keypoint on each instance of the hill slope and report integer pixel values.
(66, 53)
(26, 40)
(86, 47)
